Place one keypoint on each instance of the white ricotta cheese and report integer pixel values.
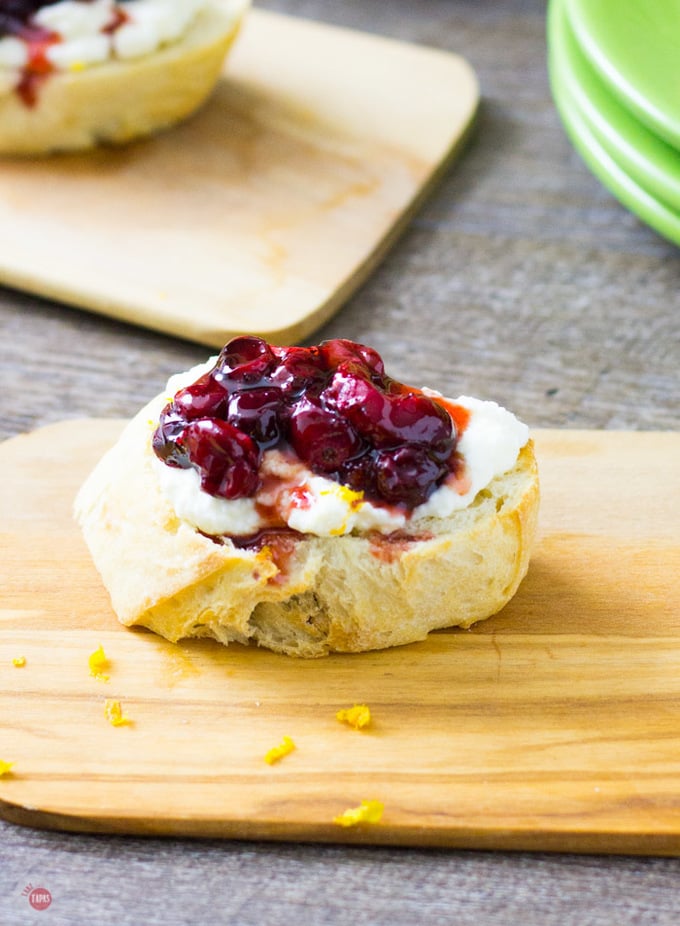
(86, 38)
(74, 20)
(490, 445)
(237, 517)
(312, 504)
(13, 53)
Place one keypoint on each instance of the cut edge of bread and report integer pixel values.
(341, 594)
(120, 100)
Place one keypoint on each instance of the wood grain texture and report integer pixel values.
(266, 210)
(521, 279)
(520, 734)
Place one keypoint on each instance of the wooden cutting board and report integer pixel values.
(555, 725)
(263, 212)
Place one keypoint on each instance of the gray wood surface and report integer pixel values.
(521, 280)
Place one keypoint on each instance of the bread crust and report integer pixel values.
(120, 100)
(337, 594)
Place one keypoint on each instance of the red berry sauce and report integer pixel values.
(38, 66)
(333, 406)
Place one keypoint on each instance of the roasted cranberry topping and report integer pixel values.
(226, 458)
(322, 437)
(244, 362)
(258, 412)
(332, 405)
(300, 369)
(401, 473)
(206, 398)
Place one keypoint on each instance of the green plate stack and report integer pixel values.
(615, 76)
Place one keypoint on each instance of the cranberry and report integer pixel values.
(206, 398)
(244, 360)
(321, 438)
(167, 439)
(340, 350)
(226, 458)
(299, 370)
(357, 399)
(418, 419)
(258, 413)
(406, 474)
(359, 474)
(390, 419)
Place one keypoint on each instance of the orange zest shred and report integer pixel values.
(19, 661)
(114, 713)
(366, 812)
(5, 767)
(98, 661)
(358, 716)
(285, 747)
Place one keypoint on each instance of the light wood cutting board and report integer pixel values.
(555, 725)
(262, 213)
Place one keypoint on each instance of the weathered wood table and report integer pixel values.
(521, 280)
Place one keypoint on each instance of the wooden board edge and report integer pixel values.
(582, 842)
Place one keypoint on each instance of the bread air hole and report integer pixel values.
(292, 624)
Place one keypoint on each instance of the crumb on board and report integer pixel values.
(114, 713)
(276, 753)
(358, 716)
(366, 812)
(98, 661)
(19, 661)
(5, 767)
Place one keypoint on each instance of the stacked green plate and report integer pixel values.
(615, 75)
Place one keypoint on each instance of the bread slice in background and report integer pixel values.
(119, 100)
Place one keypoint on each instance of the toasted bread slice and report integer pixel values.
(301, 595)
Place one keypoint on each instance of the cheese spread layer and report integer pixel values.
(85, 34)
